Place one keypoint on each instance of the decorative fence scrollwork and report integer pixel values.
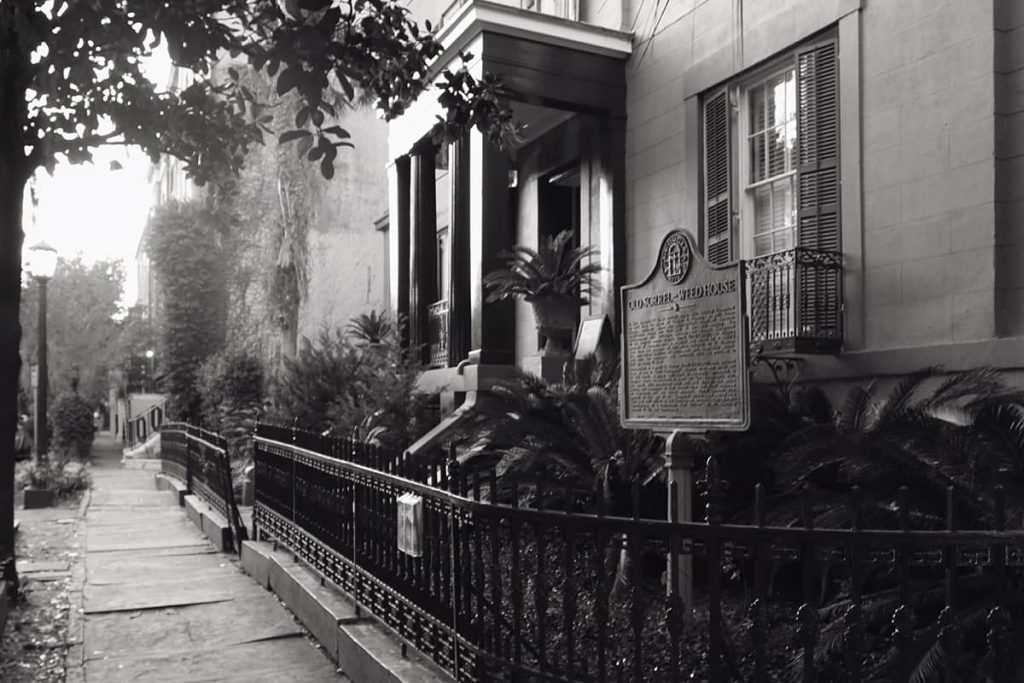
(199, 459)
(796, 299)
(512, 582)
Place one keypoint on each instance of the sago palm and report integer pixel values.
(555, 269)
(567, 434)
(966, 434)
(912, 446)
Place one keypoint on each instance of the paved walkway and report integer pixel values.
(159, 604)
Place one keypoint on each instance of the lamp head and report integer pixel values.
(42, 261)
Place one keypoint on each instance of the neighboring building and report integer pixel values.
(345, 252)
(332, 229)
(168, 182)
(865, 159)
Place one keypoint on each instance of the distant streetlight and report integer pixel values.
(150, 354)
(42, 266)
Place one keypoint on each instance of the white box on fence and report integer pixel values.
(410, 524)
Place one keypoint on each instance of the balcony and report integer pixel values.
(437, 334)
(796, 302)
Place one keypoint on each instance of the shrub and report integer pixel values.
(229, 382)
(341, 385)
(318, 375)
(73, 428)
(59, 477)
(185, 241)
(231, 387)
(383, 406)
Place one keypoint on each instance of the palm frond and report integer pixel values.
(900, 396)
(555, 269)
(856, 408)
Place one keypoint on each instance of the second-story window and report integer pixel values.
(771, 195)
(771, 178)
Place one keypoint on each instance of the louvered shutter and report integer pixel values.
(717, 181)
(818, 147)
(819, 274)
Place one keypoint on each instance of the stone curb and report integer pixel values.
(165, 483)
(363, 648)
(213, 524)
(145, 464)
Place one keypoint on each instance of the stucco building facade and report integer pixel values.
(864, 158)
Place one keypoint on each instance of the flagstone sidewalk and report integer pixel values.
(158, 603)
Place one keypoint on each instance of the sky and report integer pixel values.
(91, 211)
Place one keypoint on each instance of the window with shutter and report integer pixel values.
(785, 168)
(818, 147)
(819, 274)
(717, 180)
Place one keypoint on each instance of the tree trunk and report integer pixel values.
(14, 173)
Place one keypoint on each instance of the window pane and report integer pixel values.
(442, 265)
(790, 89)
(782, 240)
(790, 134)
(783, 212)
(775, 93)
(762, 245)
(758, 161)
(776, 151)
(756, 105)
(762, 210)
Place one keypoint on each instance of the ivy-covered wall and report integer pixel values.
(307, 254)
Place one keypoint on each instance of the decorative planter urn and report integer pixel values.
(556, 323)
(38, 498)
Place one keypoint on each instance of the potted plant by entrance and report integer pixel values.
(556, 279)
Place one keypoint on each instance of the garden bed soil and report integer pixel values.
(34, 644)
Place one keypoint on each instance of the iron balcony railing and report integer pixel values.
(511, 580)
(796, 302)
(437, 334)
(199, 459)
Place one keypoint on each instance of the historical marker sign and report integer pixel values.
(684, 348)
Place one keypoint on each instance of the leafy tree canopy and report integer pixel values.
(83, 74)
(72, 78)
(80, 311)
(185, 243)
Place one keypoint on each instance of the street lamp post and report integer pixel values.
(149, 377)
(42, 266)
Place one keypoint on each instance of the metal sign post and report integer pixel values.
(684, 365)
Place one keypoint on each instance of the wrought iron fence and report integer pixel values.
(796, 302)
(509, 580)
(139, 428)
(437, 334)
(199, 459)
